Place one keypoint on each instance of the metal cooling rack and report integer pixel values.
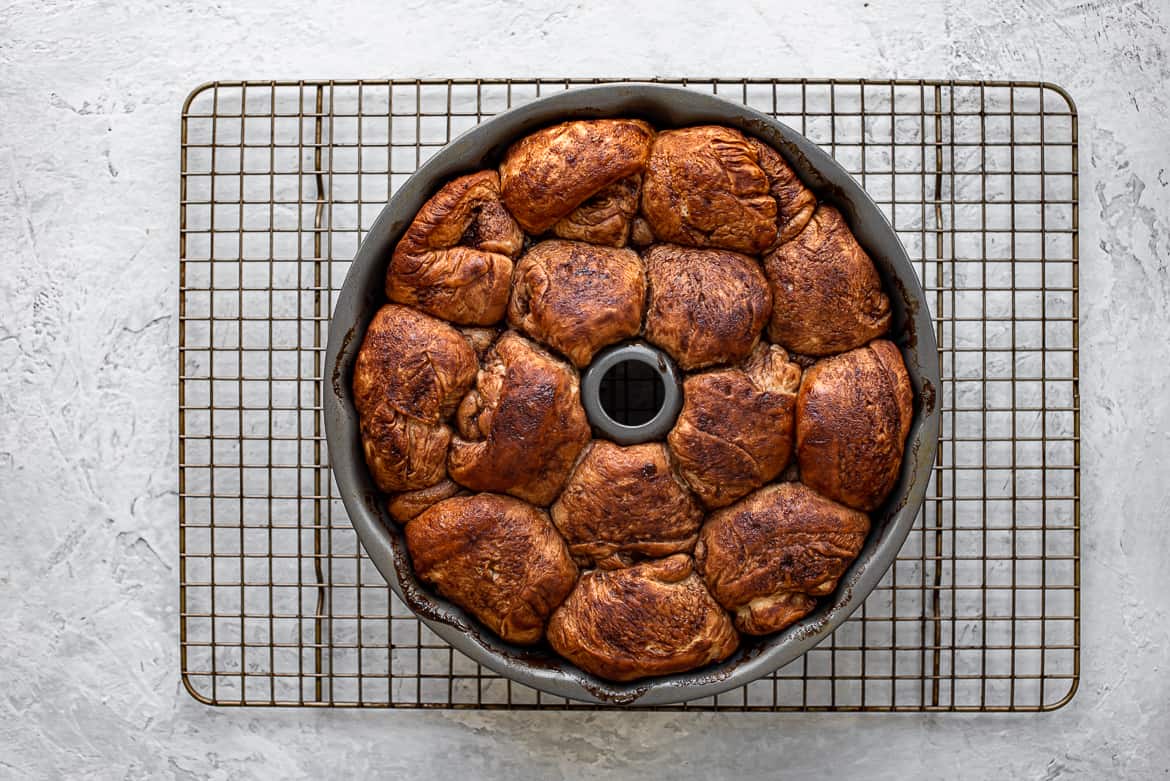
(280, 606)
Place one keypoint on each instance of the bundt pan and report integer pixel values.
(362, 294)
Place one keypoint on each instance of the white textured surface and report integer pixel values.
(89, 104)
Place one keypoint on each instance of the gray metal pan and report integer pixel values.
(362, 294)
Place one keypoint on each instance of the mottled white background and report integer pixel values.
(90, 95)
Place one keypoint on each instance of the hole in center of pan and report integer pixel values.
(631, 392)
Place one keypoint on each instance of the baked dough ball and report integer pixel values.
(410, 373)
(522, 426)
(403, 453)
(497, 557)
(580, 179)
(795, 203)
(704, 187)
(734, 432)
(416, 364)
(605, 218)
(480, 339)
(705, 307)
(826, 295)
(577, 297)
(852, 418)
(625, 503)
(409, 504)
(654, 618)
(455, 259)
(769, 556)
(641, 235)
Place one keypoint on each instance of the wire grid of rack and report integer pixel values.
(280, 606)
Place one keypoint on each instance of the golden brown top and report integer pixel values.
(704, 187)
(607, 217)
(455, 259)
(495, 556)
(827, 295)
(418, 365)
(654, 618)
(522, 426)
(852, 417)
(403, 453)
(734, 432)
(622, 504)
(577, 297)
(706, 307)
(547, 175)
(795, 203)
(768, 556)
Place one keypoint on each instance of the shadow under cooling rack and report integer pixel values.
(280, 606)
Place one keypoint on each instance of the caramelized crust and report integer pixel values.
(735, 430)
(704, 187)
(410, 372)
(827, 296)
(548, 175)
(795, 203)
(407, 505)
(498, 558)
(455, 260)
(419, 366)
(622, 504)
(768, 557)
(605, 218)
(522, 426)
(706, 307)
(403, 453)
(577, 297)
(655, 618)
(852, 418)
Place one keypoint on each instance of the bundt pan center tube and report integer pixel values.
(660, 365)
(362, 296)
